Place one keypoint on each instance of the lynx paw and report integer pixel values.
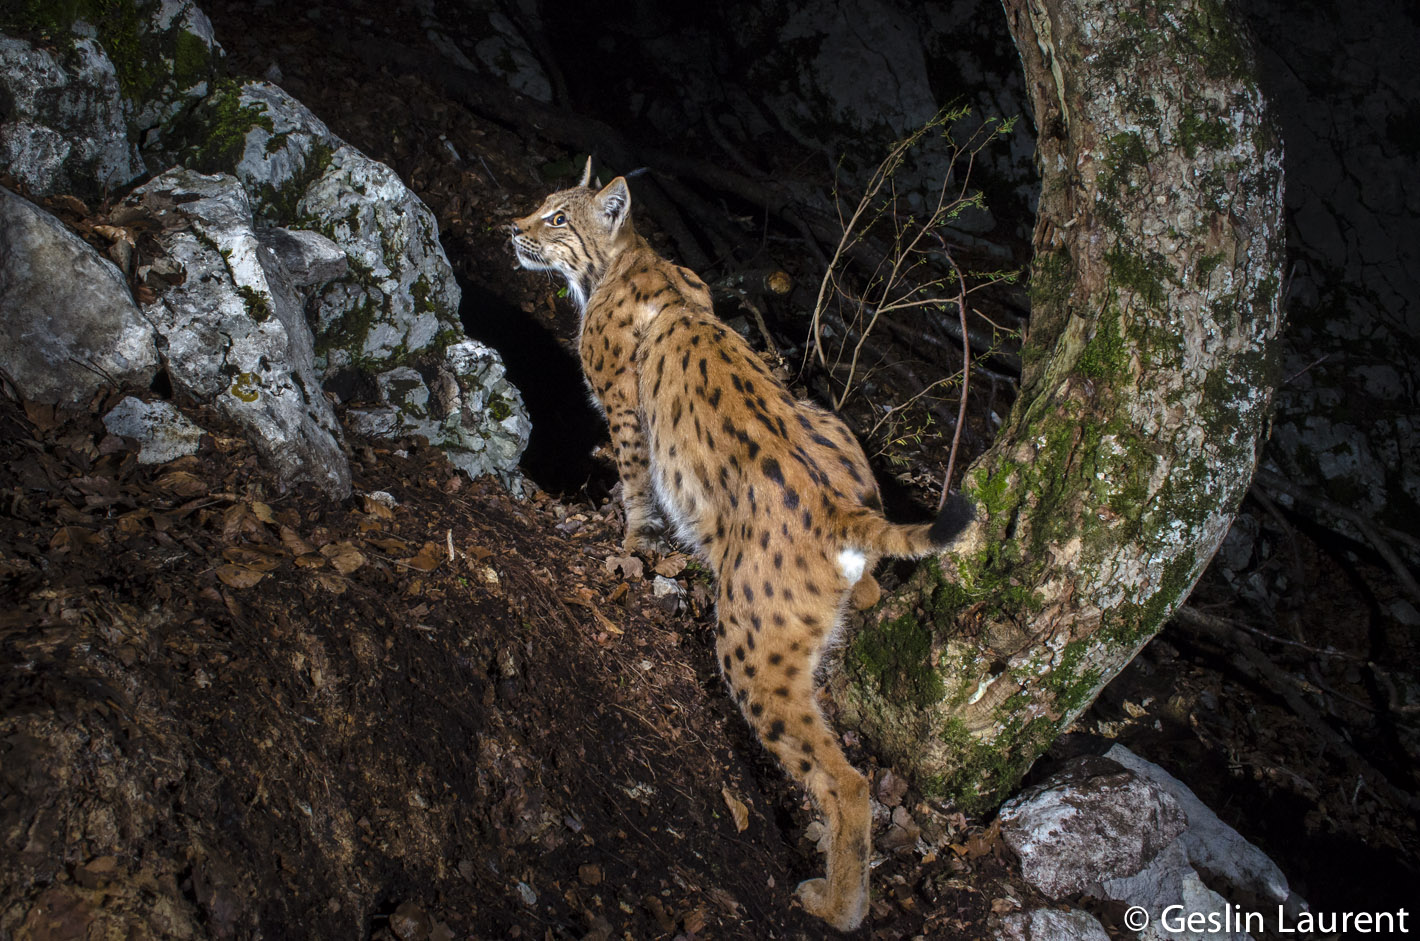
(647, 542)
(843, 914)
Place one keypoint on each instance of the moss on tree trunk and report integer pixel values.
(1146, 391)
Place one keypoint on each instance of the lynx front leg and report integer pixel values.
(633, 464)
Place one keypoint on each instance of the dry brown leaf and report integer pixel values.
(115, 233)
(344, 557)
(239, 576)
(429, 558)
(332, 583)
(250, 557)
(72, 537)
(131, 523)
(70, 203)
(388, 543)
(738, 810)
(292, 541)
(182, 483)
(606, 622)
(672, 565)
(376, 508)
(630, 566)
(262, 511)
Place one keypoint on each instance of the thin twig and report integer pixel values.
(965, 388)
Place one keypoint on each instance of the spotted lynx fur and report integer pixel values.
(774, 493)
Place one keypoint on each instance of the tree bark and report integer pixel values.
(1146, 391)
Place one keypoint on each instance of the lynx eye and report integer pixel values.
(558, 219)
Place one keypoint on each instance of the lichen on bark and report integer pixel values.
(1146, 387)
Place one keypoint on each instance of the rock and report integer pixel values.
(468, 408)
(410, 922)
(386, 325)
(1049, 924)
(234, 331)
(1212, 846)
(1089, 822)
(70, 327)
(1120, 829)
(504, 52)
(65, 127)
(400, 295)
(163, 433)
(336, 233)
(78, 110)
(180, 59)
(667, 594)
(310, 258)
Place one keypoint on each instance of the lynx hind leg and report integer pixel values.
(771, 675)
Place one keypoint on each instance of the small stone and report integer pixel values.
(410, 922)
(163, 433)
(667, 594)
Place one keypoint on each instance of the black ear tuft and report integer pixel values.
(614, 202)
(956, 514)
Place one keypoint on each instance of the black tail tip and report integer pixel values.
(956, 513)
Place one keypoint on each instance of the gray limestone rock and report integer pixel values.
(234, 331)
(310, 258)
(1122, 829)
(1091, 822)
(466, 406)
(65, 125)
(1049, 924)
(163, 433)
(1213, 847)
(392, 312)
(70, 326)
(336, 234)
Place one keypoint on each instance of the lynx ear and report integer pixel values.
(614, 202)
(587, 173)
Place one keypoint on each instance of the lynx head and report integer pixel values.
(576, 232)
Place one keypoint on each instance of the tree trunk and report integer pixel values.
(1146, 390)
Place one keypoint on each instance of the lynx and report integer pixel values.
(774, 493)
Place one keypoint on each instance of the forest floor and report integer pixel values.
(439, 710)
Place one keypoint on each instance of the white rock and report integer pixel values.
(235, 332)
(667, 594)
(1049, 924)
(405, 290)
(471, 411)
(1089, 823)
(64, 127)
(163, 433)
(1211, 844)
(1122, 829)
(70, 326)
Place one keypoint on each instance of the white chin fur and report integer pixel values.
(851, 563)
